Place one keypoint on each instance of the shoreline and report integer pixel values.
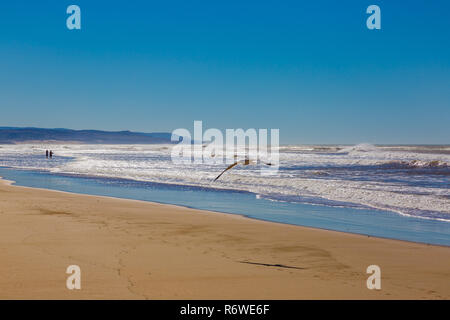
(135, 249)
(326, 219)
(239, 215)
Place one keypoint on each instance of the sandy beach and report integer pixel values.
(130, 249)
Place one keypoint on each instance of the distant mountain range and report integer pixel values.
(13, 135)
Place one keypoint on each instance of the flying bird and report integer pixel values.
(245, 162)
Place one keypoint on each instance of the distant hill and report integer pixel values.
(13, 135)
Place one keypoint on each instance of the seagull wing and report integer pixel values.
(228, 168)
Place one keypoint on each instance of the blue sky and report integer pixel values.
(310, 68)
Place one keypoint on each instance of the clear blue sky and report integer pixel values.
(310, 68)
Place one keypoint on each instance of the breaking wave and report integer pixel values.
(409, 180)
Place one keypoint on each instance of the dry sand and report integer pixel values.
(138, 250)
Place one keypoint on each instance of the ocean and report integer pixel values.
(399, 192)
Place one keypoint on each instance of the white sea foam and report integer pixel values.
(409, 180)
